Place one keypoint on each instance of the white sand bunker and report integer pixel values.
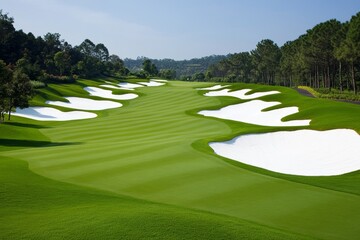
(152, 84)
(86, 104)
(251, 112)
(159, 80)
(94, 91)
(129, 86)
(303, 152)
(216, 87)
(114, 87)
(240, 93)
(52, 114)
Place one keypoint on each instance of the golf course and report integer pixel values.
(143, 159)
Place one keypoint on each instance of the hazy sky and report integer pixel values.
(178, 29)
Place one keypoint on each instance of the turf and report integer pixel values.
(155, 149)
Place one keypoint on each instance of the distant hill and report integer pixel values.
(183, 68)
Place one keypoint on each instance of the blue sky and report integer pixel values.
(180, 29)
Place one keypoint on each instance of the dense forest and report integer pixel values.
(326, 56)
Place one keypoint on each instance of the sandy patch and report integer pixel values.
(303, 152)
(51, 114)
(159, 80)
(86, 104)
(94, 91)
(251, 112)
(130, 86)
(240, 93)
(216, 87)
(152, 84)
(113, 87)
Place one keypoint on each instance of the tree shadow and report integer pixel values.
(31, 143)
(26, 125)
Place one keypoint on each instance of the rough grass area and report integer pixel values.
(155, 148)
(332, 94)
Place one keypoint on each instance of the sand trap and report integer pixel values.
(51, 114)
(216, 87)
(94, 91)
(303, 152)
(114, 87)
(251, 112)
(86, 104)
(240, 93)
(152, 84)
(159, 80)
(129, 86)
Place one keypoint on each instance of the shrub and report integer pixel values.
(332, 94)
(37, 84)
(49, 78)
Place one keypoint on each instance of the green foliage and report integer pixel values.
(183, 68)
(49, 78)
(199, 77)
(62, 62)
(332, 94)
(15, 88)
(266, 59)
(149, 68)
(37, 84)
(167, 74)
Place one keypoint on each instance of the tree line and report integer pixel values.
(326, 56)
(171, 69)
(27, 62)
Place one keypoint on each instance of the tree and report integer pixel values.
(5, 79)
(8, 48)
(20, 91)
(266, 58)
(154, 70)
(150, 68)
(147, 66)
(352, 46)
(198, 77)
(15, 89)
(52, 45)
(62, 62)
(115, 65)
(321, 48)
(88, 66)
(167, 74)
(101, 52)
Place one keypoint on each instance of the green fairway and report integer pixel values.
(145, 170)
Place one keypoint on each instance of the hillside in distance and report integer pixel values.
(183, 68)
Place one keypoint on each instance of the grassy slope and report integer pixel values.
(33, 207)
(146, 149)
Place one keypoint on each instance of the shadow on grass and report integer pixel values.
(26, 125)
(30, 143)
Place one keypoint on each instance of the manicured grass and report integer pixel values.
(155, 148)
(33, 207)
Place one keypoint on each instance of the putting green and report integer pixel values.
(155, 148)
